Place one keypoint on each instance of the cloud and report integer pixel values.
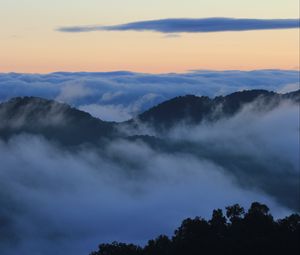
(108, 112)
(202, 25)
(171, 35)
(268, 142)
(59, 201)
(73, 91)
(289, 88)
(136, 92)
(109, 96)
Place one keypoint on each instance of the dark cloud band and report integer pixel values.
(192, 25)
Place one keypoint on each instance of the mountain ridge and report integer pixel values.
(68, 125)
(54, 120)
(193, 109)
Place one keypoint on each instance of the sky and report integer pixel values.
(31, 42)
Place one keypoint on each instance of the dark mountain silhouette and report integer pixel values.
(294, 96)
(53, 120)
(69, 126)
(237, 232)
(192, 109)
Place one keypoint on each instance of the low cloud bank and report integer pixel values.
(125, 94)
(55, 202)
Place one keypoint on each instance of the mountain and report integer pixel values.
(69, 126)
(192, 109)
(55, 121)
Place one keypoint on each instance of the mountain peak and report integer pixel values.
(193, 109)
(54, 120)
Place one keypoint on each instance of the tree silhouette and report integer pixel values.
(234, 212)
(118, 249)
(161, 245)
(254, 232)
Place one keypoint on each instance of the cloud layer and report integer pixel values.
(203, 25)
(120, 95)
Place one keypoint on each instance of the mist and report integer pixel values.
(56, 200)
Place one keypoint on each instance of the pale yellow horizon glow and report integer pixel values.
(29, 42)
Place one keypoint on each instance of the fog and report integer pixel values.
(60, 201)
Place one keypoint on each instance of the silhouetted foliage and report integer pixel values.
(234, 213)
(253, 232)
(161, 245)
(118, 249)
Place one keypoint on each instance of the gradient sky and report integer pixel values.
(30, 43)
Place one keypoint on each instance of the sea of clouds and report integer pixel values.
(118, 96)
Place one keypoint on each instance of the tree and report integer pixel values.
(162, 245)
(234, 212)
(192, 237)
(218, 223)
(118, 249)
